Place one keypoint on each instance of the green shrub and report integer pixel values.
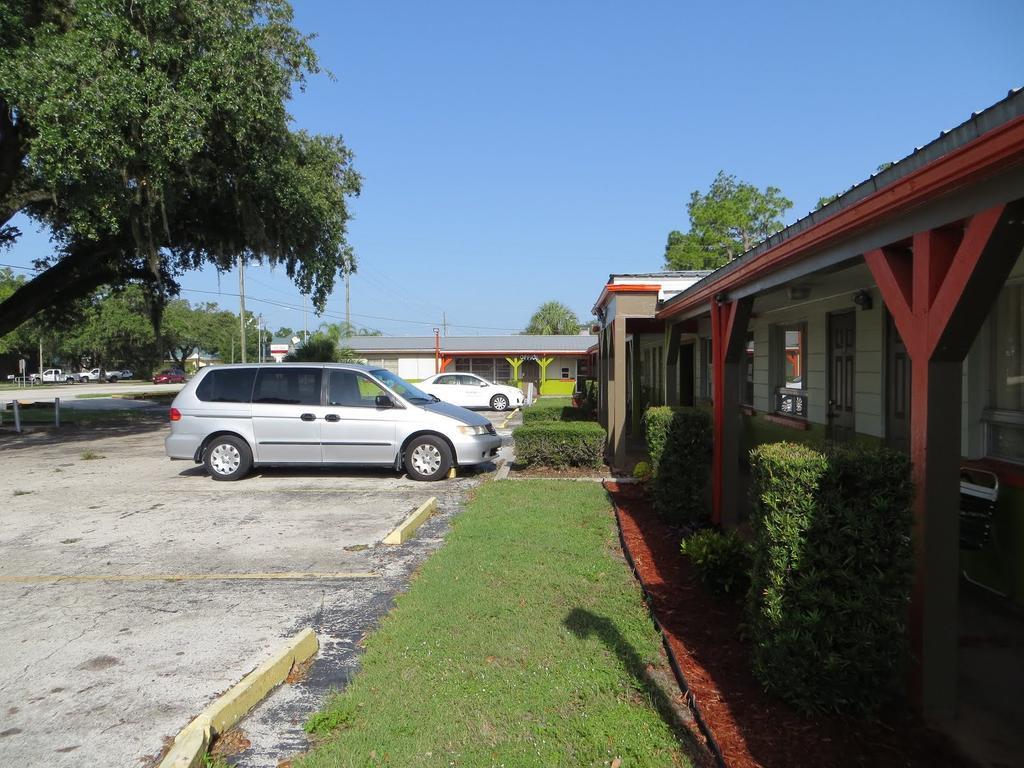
(560, 444)
(722, 561)
(557, 409)
(642, 471)
(679, 444)
(830, 581)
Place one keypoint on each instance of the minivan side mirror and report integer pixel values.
(383, 401)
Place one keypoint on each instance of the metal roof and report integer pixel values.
(455, 344)
(979, 123)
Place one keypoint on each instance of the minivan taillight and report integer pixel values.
(175, 414)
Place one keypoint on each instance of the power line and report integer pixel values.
(333, 315)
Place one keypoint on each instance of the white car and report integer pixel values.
(471, 391)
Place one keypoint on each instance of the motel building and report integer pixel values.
(894, 315)
(550, 363)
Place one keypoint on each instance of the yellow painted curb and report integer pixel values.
(191, 744)
(451, 473)
(509, 418)
(408, 527)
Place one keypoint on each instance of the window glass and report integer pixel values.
(1008, 330)
(565, 373)
(447, 380)
(470, 381)
(793, 373)
(483, 367)
(463, 364)
(352, 389)
(288, 386)
(230, 385)
(502, 371)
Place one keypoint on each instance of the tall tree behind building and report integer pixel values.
(729, 220)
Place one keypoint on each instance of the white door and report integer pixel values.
(286, 415)
(356, 430)
(448, 387)
(474, 392)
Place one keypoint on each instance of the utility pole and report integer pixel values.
(444, 322)
(40, 358)
(241, 301)
(259, 338)
(305, 325)
(348, 308)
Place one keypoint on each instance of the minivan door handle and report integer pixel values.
(332, 417)
(308, 417)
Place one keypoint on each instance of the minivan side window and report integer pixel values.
(348, 388)
(230, 385)
(288, 386)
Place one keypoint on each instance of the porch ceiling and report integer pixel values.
(820, 286)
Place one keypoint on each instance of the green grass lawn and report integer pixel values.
(524, 641)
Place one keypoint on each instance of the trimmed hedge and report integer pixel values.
(722, 561)
(831, 575)
(560, 444)
(558, 410)
(679, 444)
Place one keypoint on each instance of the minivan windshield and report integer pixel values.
(403, 387)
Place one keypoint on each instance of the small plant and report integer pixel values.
(214, 761)
(22, 493)
(556, 410)
(324, 722)
(722, 561)
(557, 444)
(642, 471)
(91, 456)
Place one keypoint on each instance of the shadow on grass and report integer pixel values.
(660, 688)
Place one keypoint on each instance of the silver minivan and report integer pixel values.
(230, 417)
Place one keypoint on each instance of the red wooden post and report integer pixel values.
(939, 288)
(728, 333)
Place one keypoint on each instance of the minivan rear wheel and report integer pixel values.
(228, 458)
(428, 458)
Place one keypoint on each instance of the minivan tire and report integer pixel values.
(227, 458)
(499, 403)
(428, 458)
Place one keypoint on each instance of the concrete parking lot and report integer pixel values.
(135, 589)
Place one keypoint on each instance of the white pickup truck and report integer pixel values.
(53, 376)
(98, 374)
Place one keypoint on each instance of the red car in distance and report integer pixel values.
(169, 377)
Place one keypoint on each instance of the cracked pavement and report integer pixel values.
(117, 659)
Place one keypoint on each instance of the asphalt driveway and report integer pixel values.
(135, 589)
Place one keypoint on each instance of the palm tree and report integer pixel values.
(553, 317)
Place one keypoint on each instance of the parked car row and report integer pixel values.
(58, 375)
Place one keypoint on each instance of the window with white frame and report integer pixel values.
(789, 363)
(747, 373)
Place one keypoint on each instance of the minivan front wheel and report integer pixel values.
(228, 458)
(428, 458)
(499, 403)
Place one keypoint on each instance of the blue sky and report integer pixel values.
(515, 153)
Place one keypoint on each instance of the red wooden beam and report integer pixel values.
(938, 293)
(989, 154)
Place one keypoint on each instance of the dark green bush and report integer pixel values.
(557, 410)
(679, 443)
(560, 444)
(722, 561)
(830, 581)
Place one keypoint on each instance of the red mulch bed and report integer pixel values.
(750, 727)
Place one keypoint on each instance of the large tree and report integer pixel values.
(151, 138)
(729, 220)
(553, 317)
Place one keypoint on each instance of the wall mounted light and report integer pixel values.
(798, 292)
(862, 299)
